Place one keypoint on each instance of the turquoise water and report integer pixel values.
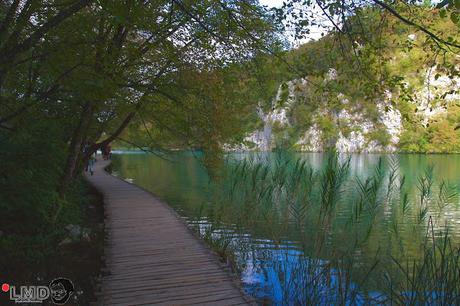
(279, 263)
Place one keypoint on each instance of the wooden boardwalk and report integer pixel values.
(151, 255)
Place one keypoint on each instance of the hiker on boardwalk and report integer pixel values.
(106, 151)
(109, 151)
(91, 161)
(89, 166)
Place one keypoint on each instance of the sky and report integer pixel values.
(271, 3)
(315, 32)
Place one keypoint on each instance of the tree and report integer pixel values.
(90, 67)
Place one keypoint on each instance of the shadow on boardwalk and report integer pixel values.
(151, 255)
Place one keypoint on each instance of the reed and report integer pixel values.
(287, 197)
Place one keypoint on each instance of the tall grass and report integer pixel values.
(391, 249)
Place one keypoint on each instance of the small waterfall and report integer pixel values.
(267, 131)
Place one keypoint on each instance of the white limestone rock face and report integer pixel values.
(350, 118)
(356, 140)
(311, 140)
(259, 140)
(429, 101)
(392, 120)
(354, 143)
(262, 139)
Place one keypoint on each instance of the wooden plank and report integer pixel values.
(151, 255)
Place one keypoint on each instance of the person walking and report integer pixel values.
(104, 152)
(109, 151)
(91, 161)
(89, 164)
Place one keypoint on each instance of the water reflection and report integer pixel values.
(275, 268)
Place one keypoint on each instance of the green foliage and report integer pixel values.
(386, 58)
(414, 140)
(161, 74)
(288, 197)
(284, 94)
(329, 130)
(31, 167)
(33, 213)
(380, 135)
(443, 137)
(439, 136)
(302, 116)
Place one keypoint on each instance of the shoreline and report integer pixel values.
(117, 211)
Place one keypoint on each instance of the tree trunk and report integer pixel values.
(94, 147)
(75, 147)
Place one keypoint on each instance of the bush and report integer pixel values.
(414, 140)
(443, 138)
(380, 135)
(29, 177)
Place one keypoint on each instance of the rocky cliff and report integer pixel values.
(348, 126)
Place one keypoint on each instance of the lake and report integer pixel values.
(288, 253)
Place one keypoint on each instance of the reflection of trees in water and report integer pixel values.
(374, 217)
(329, 232)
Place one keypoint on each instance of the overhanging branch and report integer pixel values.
(411, 23)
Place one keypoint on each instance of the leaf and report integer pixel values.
(443, 13)
(454, 17)
(457, 4)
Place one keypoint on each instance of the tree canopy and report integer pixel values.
(173, 73)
